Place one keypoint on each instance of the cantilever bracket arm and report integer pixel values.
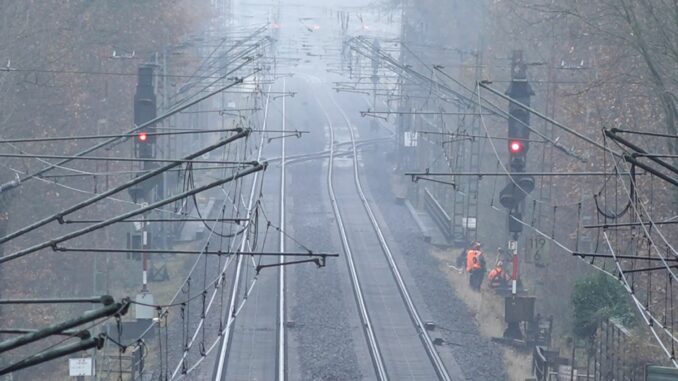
(319, 259)
(113, 309)
(416, 178)
(320, 262)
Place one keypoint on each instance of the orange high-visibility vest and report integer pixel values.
(495, 273)
(472, 262)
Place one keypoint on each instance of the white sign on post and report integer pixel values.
(410, 139)
(469, 222)
(538, 251)
(83, 366)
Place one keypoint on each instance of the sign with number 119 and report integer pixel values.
(537, 251)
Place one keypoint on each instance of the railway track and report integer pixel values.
(372, 337)
(227, 346)
(415, 351)
(234, 308)
(368, 329)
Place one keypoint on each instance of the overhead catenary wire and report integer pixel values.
(230, 55)
(511, 177)
(222, 328)
(133, 172)
(78, 190)
(507, 115)
(634, 207)
(109, 136)
(233, 308)
(17, 182)
(623, 173)
(218, 284)
(124, 159)
(240, 55)
(110, 309)
(55, 241)
(650, 319)
(40, 179)
(493, 110)
(629, 158)
(59, 216)
(647, 314)
(646, 133)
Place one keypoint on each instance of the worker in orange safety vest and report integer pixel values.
(497, 276)
(475, 265)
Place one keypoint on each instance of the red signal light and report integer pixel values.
(515, 146)
(142, 136)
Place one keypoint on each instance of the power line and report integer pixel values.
(629, 158)
(127, 135)
(647, 315)
(628, 224)
(640, 152)
(113, 173)
(310, 254)
(112, 308)
(59, 216)
(83, 345)
(235, 220)
(672, 136)
(17, 182)
(516, 174)
(91, 228)
(104, 299)
(507, 115)
(125, 159)
(95, 73)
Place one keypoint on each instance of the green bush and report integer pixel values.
(597, 298)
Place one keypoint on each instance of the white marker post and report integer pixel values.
(513, 248)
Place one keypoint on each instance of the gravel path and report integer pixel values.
(322, 322)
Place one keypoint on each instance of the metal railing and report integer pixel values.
(440, 217)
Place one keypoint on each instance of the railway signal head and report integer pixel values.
(517, 155)
(518, 130)
(145, 110)
(144, 145)
(515, 146)
(516, 191)
(514, 224)
(520, 92)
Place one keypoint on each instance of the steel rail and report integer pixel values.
(368, 328)
(437, 362)
(222, 354)
(281, 371)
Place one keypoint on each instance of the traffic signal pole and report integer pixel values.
(519, 182)
(146, 192)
